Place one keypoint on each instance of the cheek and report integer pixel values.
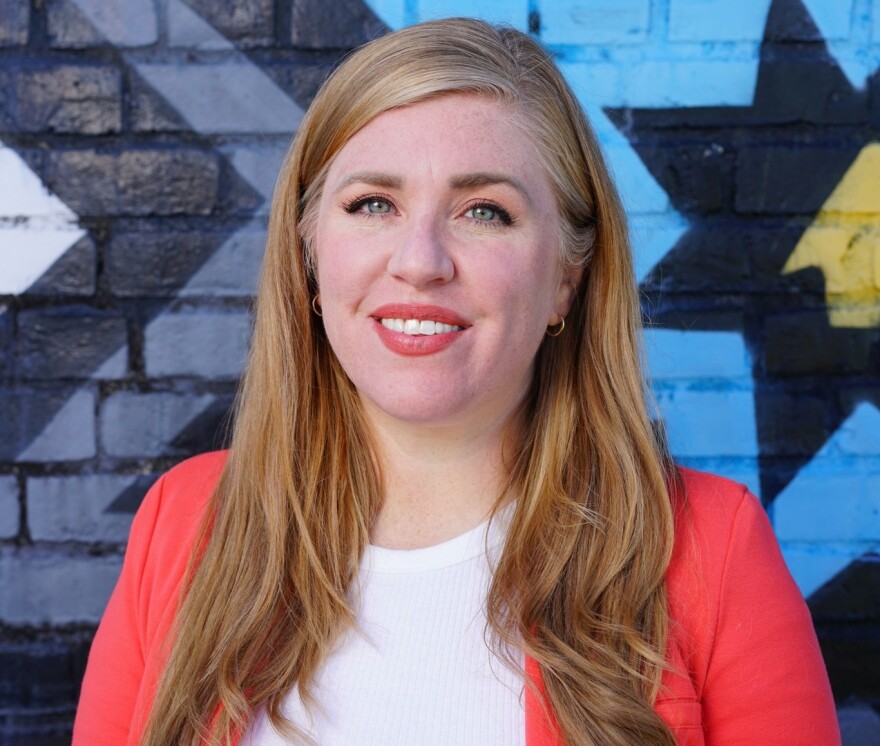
(344, 266)
(526, 286)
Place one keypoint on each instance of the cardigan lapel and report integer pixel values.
(541, 727)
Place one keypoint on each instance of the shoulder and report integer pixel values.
(709, 512)
(725, 560)
(168, 520)
(186, 488)
(735, 610)
(189, 479)
(707, 509)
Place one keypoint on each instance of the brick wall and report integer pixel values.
(139, 141)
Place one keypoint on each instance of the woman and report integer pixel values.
(447, 329)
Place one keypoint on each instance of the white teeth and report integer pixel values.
(415, 326)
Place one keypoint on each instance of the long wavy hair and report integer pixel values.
(579, 586)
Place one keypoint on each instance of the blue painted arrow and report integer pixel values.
(829, 514)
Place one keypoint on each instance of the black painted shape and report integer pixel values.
(39, 686)
(236, 203)
(74, 273)
(27, 411)
(208, 431)
(129, 500)
(750, 179)
(343, 24)
(846, 612)
(67, 342)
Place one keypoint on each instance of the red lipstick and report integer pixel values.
(419, 312)
(417, 344)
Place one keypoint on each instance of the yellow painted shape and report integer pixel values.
(844, 242)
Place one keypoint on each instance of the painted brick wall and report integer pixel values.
(139, 141)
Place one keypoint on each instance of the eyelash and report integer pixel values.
(357, 203)
(504, 218)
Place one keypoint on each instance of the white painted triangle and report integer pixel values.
(232, 96)
(26, 253)
(22, 194)
(36, 227)
(234, 268)
(124, 23)
(258, 165)
(186, 28)
(64, 437)
(115, 366)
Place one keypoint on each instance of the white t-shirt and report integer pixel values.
(417, 670)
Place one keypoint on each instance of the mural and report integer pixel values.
(139, 142)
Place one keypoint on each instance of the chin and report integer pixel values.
(421, 411)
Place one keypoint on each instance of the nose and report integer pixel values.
(420, 256)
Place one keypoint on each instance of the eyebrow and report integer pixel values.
(373, 178)
(465, 181)
(487, 178)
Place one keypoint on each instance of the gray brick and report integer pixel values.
(145, 425)
(190, 30)
(135, 182)
(228, 96)
(207, 344)
(73, 274)
(10, 511)
(78, 99)
(150, 112)
(316, 24)
(47, 425)
(249, 22)
(258, 164)
(234, 268)
(15, 23)
(155, 262)
(302, 82)
(5, 342)
(39, 586)
(7, 121)
(78, 508)
(69, 342)
(85, 23)
(68, 28)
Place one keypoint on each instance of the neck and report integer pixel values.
(439, 481)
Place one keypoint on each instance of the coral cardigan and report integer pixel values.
(746, 667)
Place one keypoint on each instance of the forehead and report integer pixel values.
(452, 134)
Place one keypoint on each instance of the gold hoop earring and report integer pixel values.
(316, 309)
(556, 331)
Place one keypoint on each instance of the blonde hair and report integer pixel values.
(579, 586)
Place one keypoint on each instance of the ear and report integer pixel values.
(565, 293)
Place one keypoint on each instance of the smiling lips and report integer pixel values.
(417, 329)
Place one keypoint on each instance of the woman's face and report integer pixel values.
(437, 252)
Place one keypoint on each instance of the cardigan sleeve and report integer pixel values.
(115, 669)
(766, 681)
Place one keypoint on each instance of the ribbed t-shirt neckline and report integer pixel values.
(474, 543)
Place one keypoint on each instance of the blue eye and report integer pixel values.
(378, 206)
(489, 214)
(371, 204)
(483, 213)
